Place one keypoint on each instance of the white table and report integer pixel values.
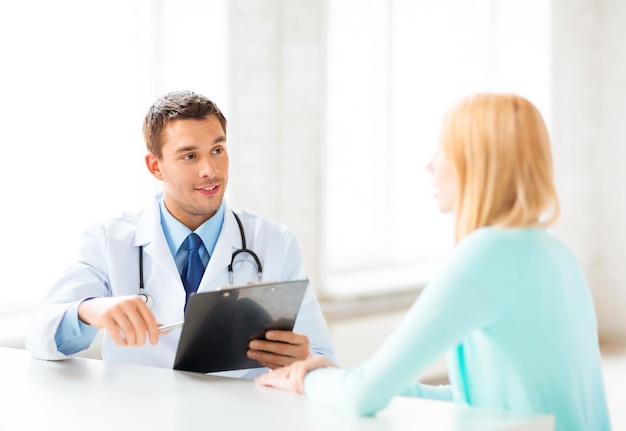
(89, 394)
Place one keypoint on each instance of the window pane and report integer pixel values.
(394, 68)
(77, 79)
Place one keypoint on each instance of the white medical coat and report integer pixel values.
(108, 265)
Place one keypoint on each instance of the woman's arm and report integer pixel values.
(448, 310)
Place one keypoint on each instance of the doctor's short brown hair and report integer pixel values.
(177, 105)
(499, 148)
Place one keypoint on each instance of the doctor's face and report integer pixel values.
(444, 182)
(193, 169)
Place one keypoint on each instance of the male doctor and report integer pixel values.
(185, 134)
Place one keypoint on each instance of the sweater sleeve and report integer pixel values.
(421, 390)
(449, 309)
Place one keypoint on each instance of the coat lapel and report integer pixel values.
(150, 236)
(216, 273)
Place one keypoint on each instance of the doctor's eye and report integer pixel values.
(219, 150)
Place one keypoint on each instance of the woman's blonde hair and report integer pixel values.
(499, 147)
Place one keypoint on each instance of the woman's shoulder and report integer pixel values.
(495, 249)
(494, 237)
(486, 240)
(492, 244)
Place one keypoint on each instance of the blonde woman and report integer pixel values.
(512, 308)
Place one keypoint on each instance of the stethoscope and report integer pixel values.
(147, 298)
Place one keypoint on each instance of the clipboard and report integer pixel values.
(219, 325)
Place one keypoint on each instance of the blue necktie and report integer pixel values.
(192, 273)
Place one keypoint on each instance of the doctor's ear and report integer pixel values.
(152, 163)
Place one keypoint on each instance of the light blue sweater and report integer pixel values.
(515, 316)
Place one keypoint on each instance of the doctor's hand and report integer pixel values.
(280, 348)
(291, 377)
(127, 319)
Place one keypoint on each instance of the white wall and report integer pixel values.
(589, 133)
(276, 88)
(276, 62)
(276, 103)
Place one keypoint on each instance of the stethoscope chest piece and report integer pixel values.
(147, 299)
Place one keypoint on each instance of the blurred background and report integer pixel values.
(334, 109)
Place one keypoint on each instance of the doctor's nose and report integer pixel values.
(208, 168)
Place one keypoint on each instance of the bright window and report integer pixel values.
(394, 67)
(77, 77)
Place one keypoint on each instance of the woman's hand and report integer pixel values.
(291, 377)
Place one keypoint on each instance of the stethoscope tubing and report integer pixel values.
(244, 249)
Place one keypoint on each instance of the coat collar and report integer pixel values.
(150, 235)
